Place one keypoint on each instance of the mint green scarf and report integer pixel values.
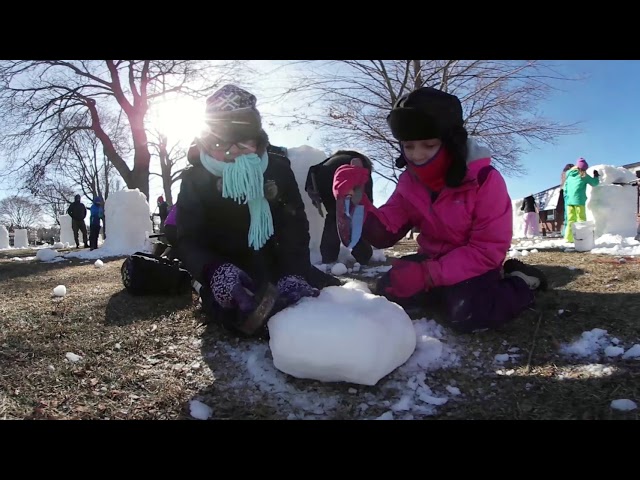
(243, 181)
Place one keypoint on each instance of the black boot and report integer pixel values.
(534, 277)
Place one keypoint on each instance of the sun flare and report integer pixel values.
(180, 119)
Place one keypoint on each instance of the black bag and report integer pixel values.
(146, 274)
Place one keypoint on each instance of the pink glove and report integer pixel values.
(348, 177)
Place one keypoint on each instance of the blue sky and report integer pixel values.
(607, 103)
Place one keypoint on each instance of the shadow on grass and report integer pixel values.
(124, 308)
(21, 269)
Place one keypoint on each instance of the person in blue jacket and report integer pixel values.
(96, 216)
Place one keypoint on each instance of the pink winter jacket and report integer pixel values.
(467, 230)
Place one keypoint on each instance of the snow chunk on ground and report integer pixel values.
(612, 351)
(46, 254)
(60, 291)
(386, 416)
(339, 269)
(453, 390)
(199, 410)
(633, 352)
(344, 335)
(378, 256)
(623, 404)
(72, 357)
(590, 344)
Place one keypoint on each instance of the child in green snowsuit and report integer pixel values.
(575, 191)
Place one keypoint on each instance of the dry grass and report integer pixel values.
(145, 358)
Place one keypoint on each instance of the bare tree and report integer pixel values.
(169, 157)
(351, 99)
(89, 168)
(37, 97)
(54, 198)
(20, 211)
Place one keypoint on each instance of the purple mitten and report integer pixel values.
(233, 288)
(292, 288)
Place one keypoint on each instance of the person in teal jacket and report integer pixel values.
(563, 192)
(575, 188)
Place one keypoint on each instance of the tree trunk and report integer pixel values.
(140, 178)
(165, 167)
(142, 157)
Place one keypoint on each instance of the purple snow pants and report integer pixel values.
(486, 301)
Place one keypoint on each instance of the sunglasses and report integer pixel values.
(211, 143)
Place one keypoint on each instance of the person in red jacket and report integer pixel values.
(461, 205)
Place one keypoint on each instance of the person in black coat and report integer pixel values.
(240, 218)
(78, 212)
(319, 186)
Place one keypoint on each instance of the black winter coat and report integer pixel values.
(212, 230)
(77, 211)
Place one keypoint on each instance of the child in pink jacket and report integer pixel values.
(461, 206)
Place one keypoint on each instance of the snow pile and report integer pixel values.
(613, 207)
(346, 334)
(46, 255)
(405, 392)
(20, 239)
(518, 217)
(606, 244)
(540, 243)
(610, 174)
(66, 232)
(301, 159)
(596, 343)
(270, 385)
(433, 352)
(127, 214)
(616, 245)
(4, 237)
